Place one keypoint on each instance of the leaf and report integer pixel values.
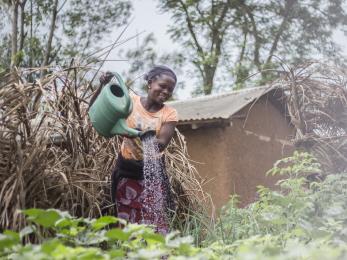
(114, 253)
(298, 232)
(179, 242)
(91, 238)
(64, 222)
(104, 221)
(45, 218)
(9, 239)
(26, 231)
(147, 254)
(32, 212)
(49, 246)
(117, 234)
(334, 210)
(153, 238)
(320, 233)
(90, 254)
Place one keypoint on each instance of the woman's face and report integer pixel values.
(161, 89)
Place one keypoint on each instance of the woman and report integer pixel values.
(149, 113)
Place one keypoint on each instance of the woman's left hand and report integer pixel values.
(167, 131)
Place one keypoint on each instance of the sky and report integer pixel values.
(147, 18)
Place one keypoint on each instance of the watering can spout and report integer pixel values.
(121, 128)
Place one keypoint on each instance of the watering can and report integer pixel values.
(111, 108)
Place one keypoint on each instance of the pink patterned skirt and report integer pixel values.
(129, 201)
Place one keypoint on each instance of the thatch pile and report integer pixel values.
(51, 157)
(316, 96)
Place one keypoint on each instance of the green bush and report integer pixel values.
(61, 236)
(301, 220)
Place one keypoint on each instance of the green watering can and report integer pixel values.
(111, 108)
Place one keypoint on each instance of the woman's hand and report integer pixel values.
(104, 79)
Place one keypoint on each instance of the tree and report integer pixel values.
(144, 57)
(202, 27)
(291, 29)
(45, 32)
(244, 36)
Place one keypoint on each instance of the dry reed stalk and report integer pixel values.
(51, 157)
(317, 104)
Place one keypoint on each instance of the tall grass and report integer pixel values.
(51, 157)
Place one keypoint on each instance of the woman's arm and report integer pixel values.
(167, 131)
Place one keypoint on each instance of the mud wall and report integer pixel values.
(234, 158)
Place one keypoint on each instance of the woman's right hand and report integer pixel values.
(106, 78)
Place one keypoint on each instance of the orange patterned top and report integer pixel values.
(142, 119)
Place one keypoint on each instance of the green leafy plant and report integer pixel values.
(302, 219)
(61, 236)
(307, 215)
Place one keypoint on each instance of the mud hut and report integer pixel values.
(234, 139)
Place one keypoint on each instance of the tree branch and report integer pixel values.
(288, 8)
(191, 28)
(217, 36)
(201, 13)
(257, 38)
(243, 48)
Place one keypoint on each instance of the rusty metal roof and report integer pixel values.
(219, 106)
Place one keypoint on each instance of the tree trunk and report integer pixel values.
(209, 72)
(50, 36)
(31, 35)
(22, 18)
(14, 34)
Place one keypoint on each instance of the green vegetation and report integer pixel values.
(235, 39)
(44, 33)
(220, 43)
(71, 238)
(301, 220)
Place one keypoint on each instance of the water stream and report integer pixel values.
(156, 187)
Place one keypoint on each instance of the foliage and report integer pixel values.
(243, 37)
(301, 220)
(51, 31)
(202, 29)
(82, 238)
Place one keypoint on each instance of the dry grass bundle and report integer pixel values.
(51, 157)
(317, 105)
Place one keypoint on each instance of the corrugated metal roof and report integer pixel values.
(219, 106)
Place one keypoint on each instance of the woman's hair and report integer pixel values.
(159, 70)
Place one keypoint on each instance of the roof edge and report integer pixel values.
(212, 96)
